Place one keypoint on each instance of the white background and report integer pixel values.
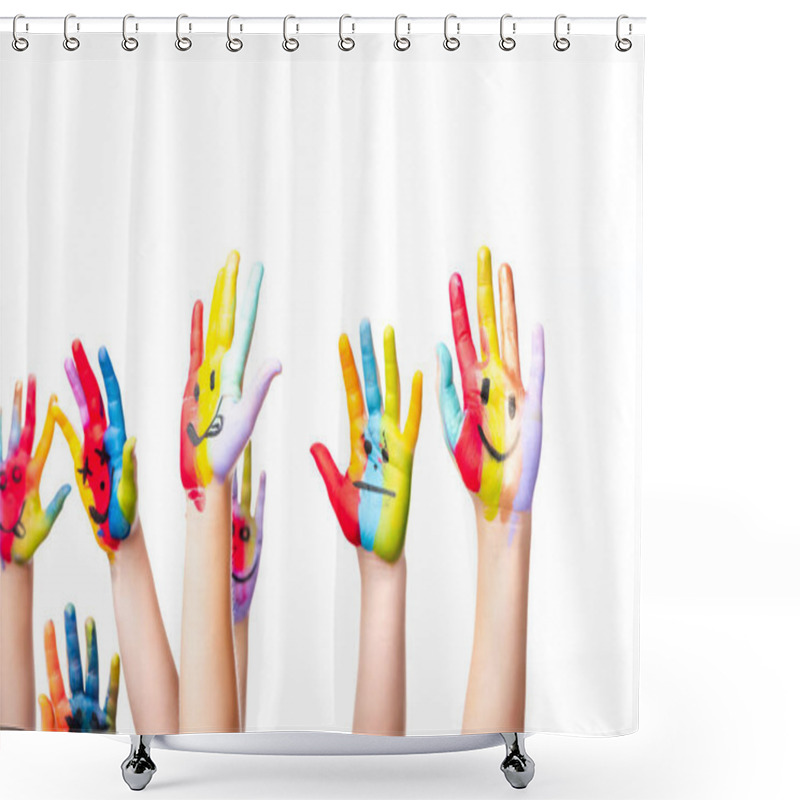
(720, 551)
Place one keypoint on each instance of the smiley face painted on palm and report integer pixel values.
(104, 460)
(496, 439)
(372, 500)
(217, 418)
(200, 415)
(24, 524)
(96, 474)
(248, 536)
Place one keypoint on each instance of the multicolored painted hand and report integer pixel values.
(371, 501)
(104, 462)
(248, 536)
(217, 418)
(496, 439)
(82, 712)
(24, 524)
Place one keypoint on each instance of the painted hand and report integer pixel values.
(24, 524)
(248, 535)
(104, 463)
(82, 712)
(496, 439)
(217, 418)
(371, 501)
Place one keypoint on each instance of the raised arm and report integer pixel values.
(495, 441)
(371, 502)
(24, 525)
(217, 420)
(105, 471)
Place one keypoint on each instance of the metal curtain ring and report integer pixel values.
(623, 44)
(19, 43)
(346, 43)
(506, 42)
(451, 42)
(561, 43)
(71, 43)
(129, 43)
(401, 43)
(183, 43)
(290, 44)
(233, 44)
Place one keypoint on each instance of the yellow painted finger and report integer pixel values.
(392, 407)
(212, 334)
(223, 305)
(508, 321)
(48, 713)
(411, 431)
(73, 442)
(113, 694)
(126, 491)
(43, 448)
(486, 317)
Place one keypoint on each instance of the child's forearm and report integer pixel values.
(241, 640)
(380, 706)
(208, 693)
(17, 687)
(495, 700)
(149, 668)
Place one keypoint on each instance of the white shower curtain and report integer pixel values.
(361, 180)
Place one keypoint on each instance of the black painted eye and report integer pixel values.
(485, 385)
(16, 474)
(512, 406)
(367, 446)
(85, 473)
(213, 379)
(102, 486)
(385, 455)
(3, 481)
(244, 533)
(197, 391)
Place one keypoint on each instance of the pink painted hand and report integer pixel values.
(248, 536)
(217, 417)
(24, 524)
(496, 440)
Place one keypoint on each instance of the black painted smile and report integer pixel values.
(244, 578)
(214, 428)
(98, 518)
(18, 529)
(492, 450)
(370, 488)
